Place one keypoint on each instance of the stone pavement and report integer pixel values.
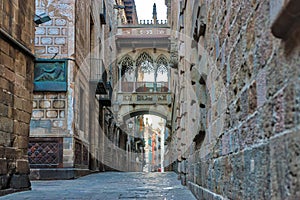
(109, 186)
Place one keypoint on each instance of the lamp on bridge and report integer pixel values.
(130, 125)
(131, 128)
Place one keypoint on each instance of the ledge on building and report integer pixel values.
(287, 26)
(58, 174)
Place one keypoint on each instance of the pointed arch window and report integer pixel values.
(162, 74)
(162, 69)
(128, 71)
(146, 69)
(127, 74)
(144, 74)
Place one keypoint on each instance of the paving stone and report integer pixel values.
(109, 185)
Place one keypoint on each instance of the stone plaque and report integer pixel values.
(50, 75)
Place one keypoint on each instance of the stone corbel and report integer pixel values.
(287, 26)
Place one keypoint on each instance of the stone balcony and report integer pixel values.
(98, 81)
(146, 34)
(144, 93)
(154, 98)
(132, 104)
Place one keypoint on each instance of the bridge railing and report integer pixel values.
(145, 22)
(144, 87)
(125, 98)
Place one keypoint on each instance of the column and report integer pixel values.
(162, 146)
(169, 78)
(135, 78)
(155, 77)
(120, 78)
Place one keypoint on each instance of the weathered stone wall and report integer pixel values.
(89, 54)
(16, 73)
(247, 145)
(51, 107)
(73, 115)
(55, 36)
(53, 116)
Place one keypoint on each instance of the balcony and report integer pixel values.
(104, 98)
(144, 87)
(99, 83)
(145, 34)
(141, 23)
(144, 98)
(144, 94)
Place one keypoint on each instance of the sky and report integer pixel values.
(145, 7)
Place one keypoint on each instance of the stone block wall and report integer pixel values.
(16, 74)
(71, 115)
(251, 130)
(49, 126)
(51, 107)
(94, 45)
(52, 116)
(55, 36)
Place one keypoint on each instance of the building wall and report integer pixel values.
(90, 44)
(55, 36)
(247, 92)
(16, 66)
(53, 117)
(70, 120)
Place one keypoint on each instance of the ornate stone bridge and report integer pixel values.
(144, 71)
(134, 104)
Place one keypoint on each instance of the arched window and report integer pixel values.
(162, 74)
(162, 69)
(128, 71)
(146, 69)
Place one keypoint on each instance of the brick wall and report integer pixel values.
(16, 66)
(54, 36)
(71, 115)
(250, 132)
(52, 116)
(49, 114)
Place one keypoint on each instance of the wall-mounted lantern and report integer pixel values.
(42, 18)
(130, 125)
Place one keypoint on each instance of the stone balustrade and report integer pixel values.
(143, 30)
(147, 22)
(144, 98)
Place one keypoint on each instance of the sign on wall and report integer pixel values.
(50, 75)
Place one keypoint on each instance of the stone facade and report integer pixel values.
(235, 113)
(242, 142)
(52, 117)
(66, 123)
(16, 66)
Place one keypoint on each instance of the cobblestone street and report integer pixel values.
(110, 185)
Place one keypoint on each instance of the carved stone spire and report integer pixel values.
(154, 13)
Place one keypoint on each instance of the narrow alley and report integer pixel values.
(109, 185)
(99, 96)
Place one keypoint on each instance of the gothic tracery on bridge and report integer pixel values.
(144, 73)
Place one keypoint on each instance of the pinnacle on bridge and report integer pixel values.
(154, 14)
